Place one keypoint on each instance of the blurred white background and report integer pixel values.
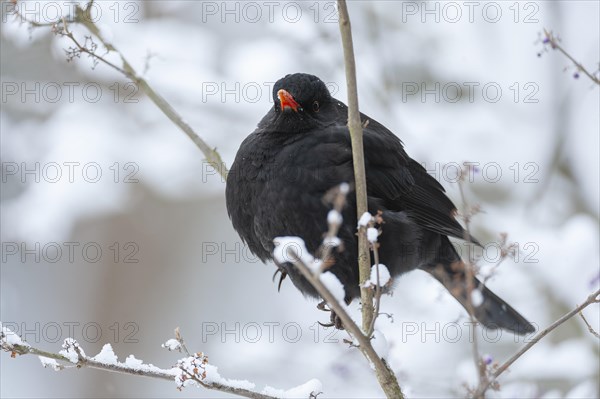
(169, 256)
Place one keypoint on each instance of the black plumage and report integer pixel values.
(300, 150)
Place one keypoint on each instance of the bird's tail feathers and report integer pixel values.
(487, 307)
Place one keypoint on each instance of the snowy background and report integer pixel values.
(169, 256)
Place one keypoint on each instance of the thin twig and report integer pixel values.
(378, 291)
(337, 197)
(179, 339)
(553, 41)
(589, 326)
(356, 134)
(593, 298)
(470, 276)
(506, 250)
(386, 377)
(14, 9)
(83, 17)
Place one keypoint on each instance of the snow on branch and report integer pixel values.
(193, 369)
(380, 278)
(293, 250)
(332, 291)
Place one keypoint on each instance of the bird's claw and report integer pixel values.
(335, 320)
(326, 325)
(281, 278)
(323, 306)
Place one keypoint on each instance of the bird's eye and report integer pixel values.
(315, 106)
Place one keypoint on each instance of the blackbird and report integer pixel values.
(300, 150)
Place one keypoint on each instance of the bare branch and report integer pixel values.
(83, 17)
(553, 41)
(356, 134)
(593, 298)
(589, 326)
(470, 272)
(386, 377)
(507, 250)
(179, 339)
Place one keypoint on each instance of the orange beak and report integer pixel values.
(287, 101)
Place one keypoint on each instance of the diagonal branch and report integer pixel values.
(84, 18)
(589, 326)
(385, 375)
(593, 298)
(549, 38)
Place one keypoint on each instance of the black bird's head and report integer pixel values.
(300, 102)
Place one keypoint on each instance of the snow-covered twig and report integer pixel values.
(378, 290)
(337, 197)
(385, 375)
(375, 279)
(73, 355)
(481, 389)
(83, 17)
(191, 369)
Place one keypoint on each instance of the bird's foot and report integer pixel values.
(281, 278)
(335, 320)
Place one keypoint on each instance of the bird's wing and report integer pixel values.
(386, 163)
(430, 207)
(404, 185)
